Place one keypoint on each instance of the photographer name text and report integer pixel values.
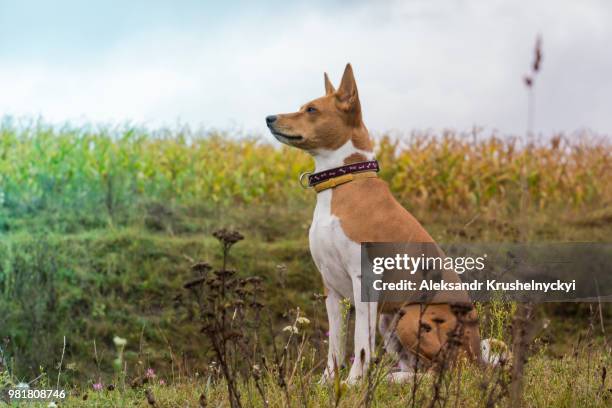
(489, 285)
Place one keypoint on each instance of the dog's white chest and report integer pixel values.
(336, 256)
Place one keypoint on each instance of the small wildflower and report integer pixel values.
(162, 382)
(303, 320)
(150, 373)
(52, 404)
(98, 386)
(291, 329)
(318, 296)
(23, 386)
(119, 342)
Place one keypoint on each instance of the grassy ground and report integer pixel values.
(124, 282)
(98, 230)
(577, 380)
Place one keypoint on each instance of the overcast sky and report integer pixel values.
(419, 64)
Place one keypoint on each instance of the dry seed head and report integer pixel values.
(537, 60)
(194, 282)
(225, 273)
(228, 237)
(201, 267)
(256, 305)
(253, 279)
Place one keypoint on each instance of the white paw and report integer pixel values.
(352, 380)
(494, 351)
(356, 373)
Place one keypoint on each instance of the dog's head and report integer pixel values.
(327, 122)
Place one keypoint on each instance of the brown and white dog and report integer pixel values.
(359, 210)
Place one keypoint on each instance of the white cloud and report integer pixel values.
(418, 65)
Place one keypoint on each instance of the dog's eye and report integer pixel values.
(311, 109)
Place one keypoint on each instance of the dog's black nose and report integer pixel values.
(270, 119)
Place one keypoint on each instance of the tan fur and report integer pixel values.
(329, 88)
(386, 220)
(361, 140)
(355, 158)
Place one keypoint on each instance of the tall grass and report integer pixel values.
(458, 172)
(109, 175)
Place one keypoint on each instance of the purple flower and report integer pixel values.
(150, 373)
(327, 334)
(98, 386)
(162, 382)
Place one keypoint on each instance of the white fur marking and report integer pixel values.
(338, 258)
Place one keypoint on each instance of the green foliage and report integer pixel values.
(496, 318)
(31, 305)
(98, 228)
(72, 179)
(77, 178)
(92, 286)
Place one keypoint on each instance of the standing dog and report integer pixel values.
(354, 206)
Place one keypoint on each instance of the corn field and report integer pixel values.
(112, 171)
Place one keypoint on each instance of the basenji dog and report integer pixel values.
(355, 206)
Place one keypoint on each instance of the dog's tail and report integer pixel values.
(494, 352)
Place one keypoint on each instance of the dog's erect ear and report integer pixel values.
(329, 88)
(347, 92)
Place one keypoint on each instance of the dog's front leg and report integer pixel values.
(336, 351)
(365, 332)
